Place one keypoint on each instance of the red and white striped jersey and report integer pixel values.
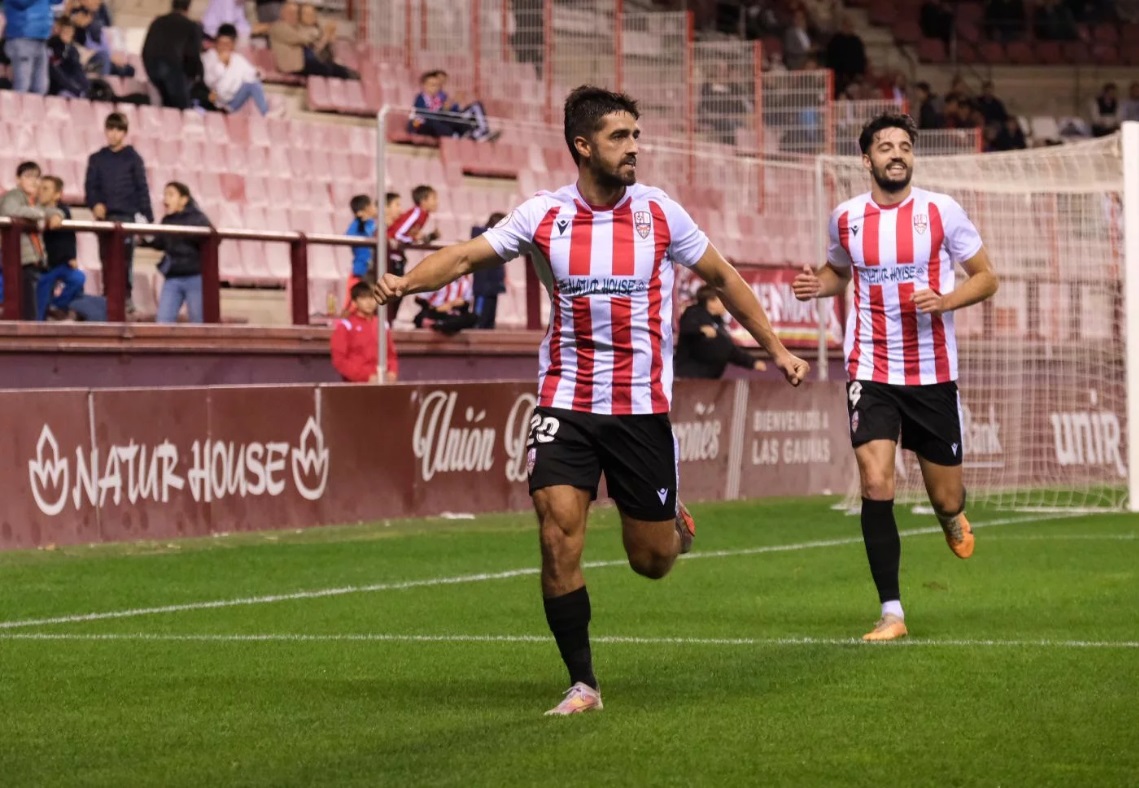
(896, 251)
(407, 223)
(610, 274)
(463, 288)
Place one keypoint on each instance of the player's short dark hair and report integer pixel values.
(26, 167)
(887, 120)
(390, 197)
(585, 109)
(359, 203)
(361, 289)
(56, 182)
(495, 218)
(116, 120)
(705, 294)
(421, 193)
(226, 31)
(180, 5)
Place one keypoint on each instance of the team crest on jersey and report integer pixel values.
(643, 222)
(921, 221)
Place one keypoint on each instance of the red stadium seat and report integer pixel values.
(1105, 54)
(1107, 33)
(1020, 53)
(992, 52)
(931, 50)
(907, 31)
(319, 95)
(1077, 53)
(1049, 53)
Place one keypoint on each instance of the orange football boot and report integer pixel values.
(959, 536)
(889, 627)
(579, 698)
(685, 527)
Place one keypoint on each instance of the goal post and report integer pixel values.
(1045, 367)
(1130, 213)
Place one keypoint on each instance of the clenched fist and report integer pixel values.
(390, 286)
(793, 368)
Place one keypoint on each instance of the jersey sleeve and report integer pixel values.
(688, 242)
(961, 236)
(837, 255)
(514, 235)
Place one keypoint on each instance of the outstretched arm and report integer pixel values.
(439, 268)
(741, 302)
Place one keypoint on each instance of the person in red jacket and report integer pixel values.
(355, 353)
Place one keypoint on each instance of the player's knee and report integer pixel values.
(651, 562)
(947, 503)
(877, 486)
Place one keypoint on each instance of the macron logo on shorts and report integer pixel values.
(662, 493)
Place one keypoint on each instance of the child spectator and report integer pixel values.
(448, 310)
(363, 226)
(231, 79)
(21, 203)
(182, 262)
(66, 75)
(355, 350)
(116, 187)
(489, 283)
(62, 262)
(1106, 114)
(407, 229)
(397, 258)
(437, 116)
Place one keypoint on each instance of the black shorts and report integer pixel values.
(928, 418)
(637, 454)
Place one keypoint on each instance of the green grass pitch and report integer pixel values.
(416, 653)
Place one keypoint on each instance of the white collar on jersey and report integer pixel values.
(628, 195)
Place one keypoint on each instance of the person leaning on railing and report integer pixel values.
(21, 203)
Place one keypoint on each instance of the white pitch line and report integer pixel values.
(545, 639)
(1066, 537)
(459, 579)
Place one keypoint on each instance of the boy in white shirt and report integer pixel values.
(231, 78)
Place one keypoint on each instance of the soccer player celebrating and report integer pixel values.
(900, 245)
(605, 248)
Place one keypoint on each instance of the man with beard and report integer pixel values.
(900, 245)
(605, 248)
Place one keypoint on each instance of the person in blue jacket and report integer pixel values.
(27, 30)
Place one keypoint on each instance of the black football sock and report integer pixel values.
(883, 546)
(568, 616)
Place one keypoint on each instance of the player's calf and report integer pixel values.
(651, 547)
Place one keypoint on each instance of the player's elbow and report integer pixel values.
(992, 284)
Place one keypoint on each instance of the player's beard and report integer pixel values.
(888, 184)
(613, 178)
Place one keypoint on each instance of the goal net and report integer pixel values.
(1042, 379)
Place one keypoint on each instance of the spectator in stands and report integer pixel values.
(1005, 20)
(437, 116)
(323, 48)
(448, 310)
(116, 187)
(26, 31)
(723, 107)
(230, 12)
(936, 21)
(1106, 112)
(959, 90)
(355, 352)
(846, 56)
(182, 257)
(529, 36)
(397, 258)
(268, 11)
(929, 114)
(797, 44)
(22, 203)
(94, 45)
(60, 249)
(1129, 108)
(705, 348)
(232, 80)
(407, 229)
(66, 75)
(489, 283)
(295, 46)
(363, 226)
(171, 54)
(992, 108)
(1009, 136)
(759, 19)
(1053, 21)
